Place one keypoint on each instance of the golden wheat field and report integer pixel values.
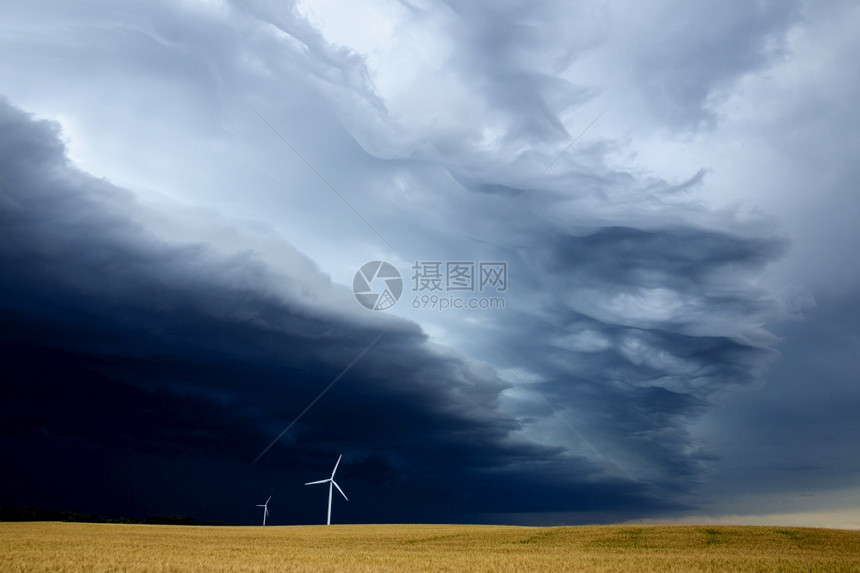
(99, 547)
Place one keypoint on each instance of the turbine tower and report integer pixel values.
(265, 507)
(330, 481)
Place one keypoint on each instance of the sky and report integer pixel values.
(621, 238)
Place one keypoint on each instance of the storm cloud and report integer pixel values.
(120, 346)
(186, 191)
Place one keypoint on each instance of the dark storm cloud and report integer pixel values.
(633, 334)
(155, 352)
(634, 307)
(128, 358)
(791, 432)
(631, 327)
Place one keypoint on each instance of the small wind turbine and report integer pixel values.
(331, 483)
(265, 507)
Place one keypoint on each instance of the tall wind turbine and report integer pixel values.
(265, 507)
(330, 481)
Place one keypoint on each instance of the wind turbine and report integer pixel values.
(331, 483)
(265, 507)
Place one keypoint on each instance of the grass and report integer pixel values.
(72, 547)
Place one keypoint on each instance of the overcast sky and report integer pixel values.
(668, 189)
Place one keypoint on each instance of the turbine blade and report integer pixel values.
(340, 490)
(320, 481)
(268, 500)
(335, 465)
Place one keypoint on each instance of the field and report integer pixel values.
(76, 547)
